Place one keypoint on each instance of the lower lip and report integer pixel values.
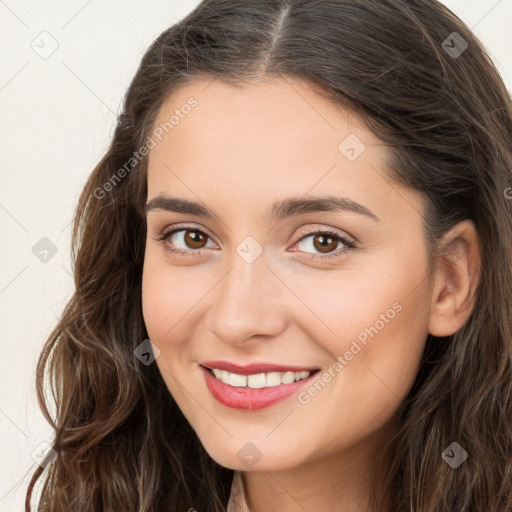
(247, 398)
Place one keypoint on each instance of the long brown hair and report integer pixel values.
(436, 99)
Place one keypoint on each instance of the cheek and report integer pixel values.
(168, 295)
(380, 329)
(168, 299)
(374, 323)
(157, 304)
(362, 303)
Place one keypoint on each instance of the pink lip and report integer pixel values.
(250, 399)
(254, 368)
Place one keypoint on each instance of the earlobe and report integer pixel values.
(456, 279)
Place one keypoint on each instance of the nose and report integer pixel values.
(249, 301)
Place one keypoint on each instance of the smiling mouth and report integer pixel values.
(254, 392)
(259, 380)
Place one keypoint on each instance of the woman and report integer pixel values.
(293, 272)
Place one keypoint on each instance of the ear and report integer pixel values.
(456, 279)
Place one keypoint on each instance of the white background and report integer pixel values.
(57, 117)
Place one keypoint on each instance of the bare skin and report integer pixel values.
(237, 152)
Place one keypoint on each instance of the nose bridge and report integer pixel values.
(248, 300)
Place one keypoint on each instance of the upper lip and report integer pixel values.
(253, 368)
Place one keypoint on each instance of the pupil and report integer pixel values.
(194, 237)
(324, 243)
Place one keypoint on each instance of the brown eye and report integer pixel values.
(325, 243)
(185, 241)
(195, 239)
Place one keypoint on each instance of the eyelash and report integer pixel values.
(164, 237)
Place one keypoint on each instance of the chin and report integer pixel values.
(248, 456)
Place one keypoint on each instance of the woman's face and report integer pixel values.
(254, 283)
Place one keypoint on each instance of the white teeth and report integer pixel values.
(260, 380)
(256, 381)
(273, 379)
(237, 380)
(288, 378)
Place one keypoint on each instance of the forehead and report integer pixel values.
(274, 137)
(271, 113)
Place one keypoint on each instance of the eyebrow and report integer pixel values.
(290, 207)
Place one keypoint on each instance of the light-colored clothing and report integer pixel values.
(237, 501)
